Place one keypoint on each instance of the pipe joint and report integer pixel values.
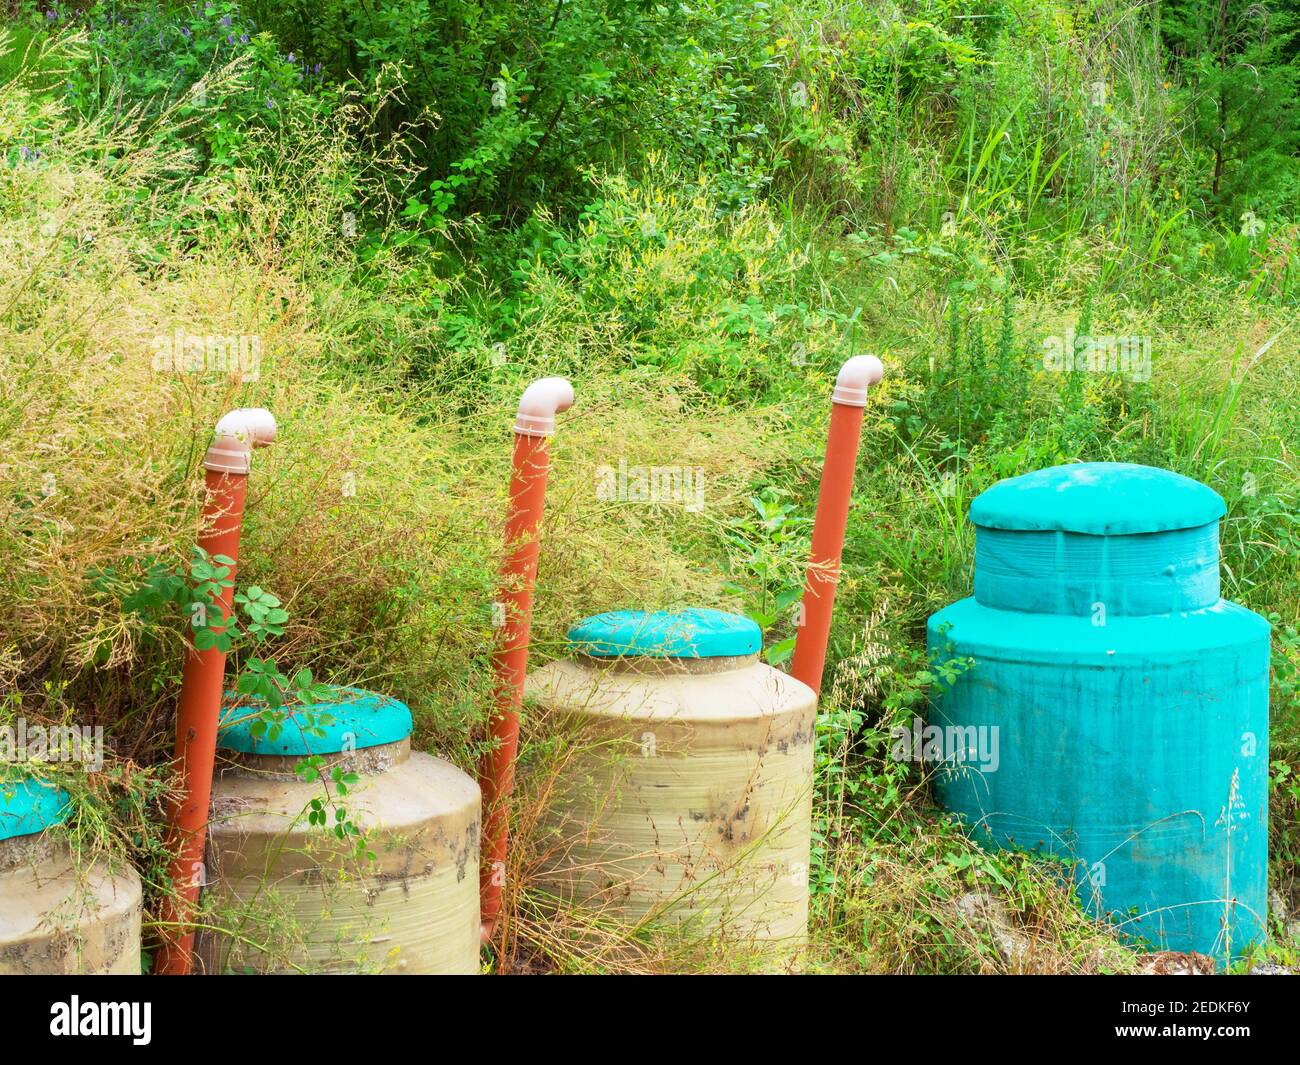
(855, 377)
(234, 438)
(540, 403)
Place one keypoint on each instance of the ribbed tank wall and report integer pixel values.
(294, 898)
(285, 895)
(687, 800)
(692, 802)
(60, 916)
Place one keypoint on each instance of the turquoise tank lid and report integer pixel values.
(29, 806)
(695, 633)
(1098, 498)
(350, 719)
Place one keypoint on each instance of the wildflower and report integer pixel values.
(291, 57)
(316, 69)
(185, 32)
(225, 21)
(243, 38)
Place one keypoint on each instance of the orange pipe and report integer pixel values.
(226, 481)
(531, 465)
(833, 499)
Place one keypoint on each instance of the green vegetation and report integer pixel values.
(406, 212)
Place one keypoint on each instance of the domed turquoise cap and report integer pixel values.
(350, 719)
(1098, 498)
(28, 806)
(695, 633)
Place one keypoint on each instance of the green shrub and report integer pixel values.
(205, 66)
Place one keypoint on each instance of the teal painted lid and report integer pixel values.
(666, 634)
(350, 719)
(29, 806)
(1098, 498)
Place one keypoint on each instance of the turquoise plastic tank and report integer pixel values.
(1117, 710)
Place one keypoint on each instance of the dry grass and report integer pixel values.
(378, 524)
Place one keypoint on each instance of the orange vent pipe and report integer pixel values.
(227, 463)
(847, 403)
(533, 428)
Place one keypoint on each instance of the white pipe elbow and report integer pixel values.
(855, 377)
(540, 403)
(236, 434)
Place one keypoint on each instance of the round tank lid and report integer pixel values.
(350, 719)
(29, 806)
(1100, 498)
(695, 633)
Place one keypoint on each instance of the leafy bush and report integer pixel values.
(205, 66)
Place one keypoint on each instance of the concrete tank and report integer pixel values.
(1127, 702)
(296, 898)
(56, 919)
(690, 798)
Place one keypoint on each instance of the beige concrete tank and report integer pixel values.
(57, 918)
(690, 798)
(290, 896)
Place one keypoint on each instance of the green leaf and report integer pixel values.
(780, 652)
